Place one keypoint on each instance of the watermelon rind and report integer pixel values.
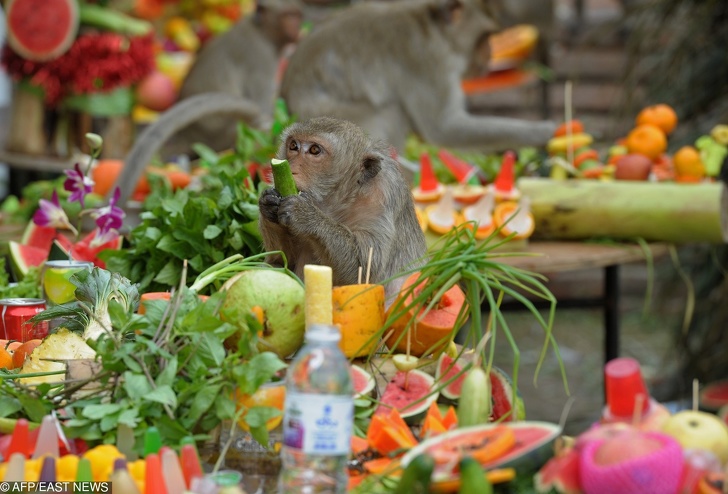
(447, 369)
(364, 383)
(714, 395)
(414, 410)
(35, 30)
(525, 459)
(22, 257)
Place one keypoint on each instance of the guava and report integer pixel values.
(282, 301)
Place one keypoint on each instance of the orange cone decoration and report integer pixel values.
(505, 180)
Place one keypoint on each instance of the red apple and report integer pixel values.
(633, 167)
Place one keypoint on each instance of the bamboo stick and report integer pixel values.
(627, 210)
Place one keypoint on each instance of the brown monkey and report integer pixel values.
(352, 197)
(243, 62)
(396, 67)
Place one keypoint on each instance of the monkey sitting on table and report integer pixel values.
(242, 62)
(352, 197)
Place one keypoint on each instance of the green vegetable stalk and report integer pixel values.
(283, 178)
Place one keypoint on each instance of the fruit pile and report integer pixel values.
(644, 448)
(642, 154)
(497, 208)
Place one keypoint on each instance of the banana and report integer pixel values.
(475, 404)
(563, 143)
(472, 478)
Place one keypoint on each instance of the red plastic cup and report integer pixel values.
(623, 382)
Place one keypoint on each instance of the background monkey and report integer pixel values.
(396, 67)
(352, 197)
(243, 62)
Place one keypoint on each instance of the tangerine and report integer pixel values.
(647, 139)
(6, 360)
(687, 162)
(267, 395)
(661, 116)
(24, 351)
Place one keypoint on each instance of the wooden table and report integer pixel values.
(559, 257)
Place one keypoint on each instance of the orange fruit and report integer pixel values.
(104, 175)
(571, 127)
(268, 395)
(661, 116)
(647, 139)
(687, 162)
(6, 360)
(509, 217)
(13, 345)
(23, 351)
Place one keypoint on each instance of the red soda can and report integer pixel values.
(15, 315)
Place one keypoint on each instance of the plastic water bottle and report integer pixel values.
(318, 416)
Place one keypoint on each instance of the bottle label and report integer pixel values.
(318, 424)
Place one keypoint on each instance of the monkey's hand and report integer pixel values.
(300, 214)
(268, 203)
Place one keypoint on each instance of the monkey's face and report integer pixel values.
(310, 160)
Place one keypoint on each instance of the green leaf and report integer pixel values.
(212, 231)
(97, 412)
(9, 405)
(260, 369)
(170, 273)
(137, 386)
(167, 376)
(211, 350)
(202, 401)
(129, 417)
(164, 395)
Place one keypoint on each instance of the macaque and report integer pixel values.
(396, 67)
(242, 62)
(352, 197)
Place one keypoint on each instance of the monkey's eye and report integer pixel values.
(315, 149)
(293, 146)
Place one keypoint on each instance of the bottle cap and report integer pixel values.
(322, 333)
(623, 383)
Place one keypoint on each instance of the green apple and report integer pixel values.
(282, 301)
(699, 430)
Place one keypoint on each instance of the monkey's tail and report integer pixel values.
(181, 115)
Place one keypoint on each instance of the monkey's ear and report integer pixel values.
(448, 11)
(369, 168)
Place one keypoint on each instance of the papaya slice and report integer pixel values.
(485, 446)
(450, 419)
(431, 427)
(430, 332)
(358, 445)
(496, 476)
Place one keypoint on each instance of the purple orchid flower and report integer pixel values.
(50, 213)
(77, 184)
(108, 220)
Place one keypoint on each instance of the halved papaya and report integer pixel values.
(485, 446)
(429, 332)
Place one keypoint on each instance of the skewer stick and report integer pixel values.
(568, 116)
(358, 280)
(695, 395)
(409, 341)
(637, 412)
(369, 263)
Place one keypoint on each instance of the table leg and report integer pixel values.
(611, 312)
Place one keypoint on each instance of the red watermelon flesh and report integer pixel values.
(84, 251)
(41, 30)
(410, 400)
(22, 257)
(42, 237)
(362, 381)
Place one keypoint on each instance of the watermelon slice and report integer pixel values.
(363, 382)
(41, 30)
(42, 237)
(533, 447)
(84, 251)
(451, 370)
(411, 397)
(23, 257)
